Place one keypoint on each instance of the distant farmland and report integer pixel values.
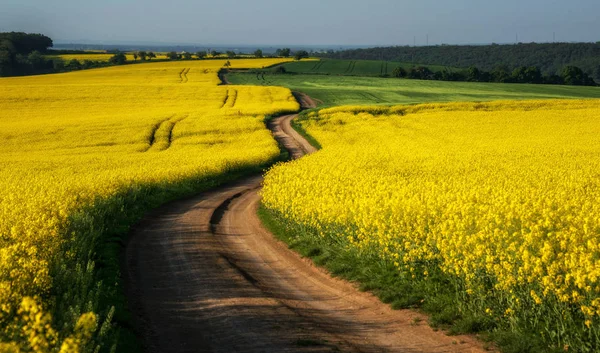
(352, 67)
(339, 90)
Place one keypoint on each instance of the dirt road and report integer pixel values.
(204, 276)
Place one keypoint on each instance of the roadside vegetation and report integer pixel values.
(481, 214)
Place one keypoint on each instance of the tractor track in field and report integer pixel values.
(161, 134)
(230, 99)
(203, 275)
(183, 75)
(317, 66)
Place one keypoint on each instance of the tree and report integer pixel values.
(201, 54)
(227, 64)
(280, 70)
(548, 57)
(473, 74)
(258, 53)
(21, 53)
(500, 74)
(518, 75)
(187, 56)
(527, 75)
(87, 64)
(7, 52)
(135, 56)
(230, 54)
(399, 72)
(151, 55)
(420, 73)
(58, 65)
(554, 80)
(301, 54)
(118, 59)
(143, 55)
(74, 64)
(450, 75)
(533, 75)
(25, 43)
(597, 73)
(172, 55)
(215, 53)
(285, 52)
(573, 75)
(485, 76)
(6, 68)
(36, 60)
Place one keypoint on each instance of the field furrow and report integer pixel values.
(162, 136)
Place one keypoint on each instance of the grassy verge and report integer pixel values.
(435, 296)
(440, 296)
(91, 279)
(297, 125)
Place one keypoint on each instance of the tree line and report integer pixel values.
(22, 53)
(570, 75)
(550, 58)
(27, 54)
(279, 53)
(120, 58)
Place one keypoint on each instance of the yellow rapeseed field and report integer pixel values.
(92, 57)
(78, 149)
(501, 198)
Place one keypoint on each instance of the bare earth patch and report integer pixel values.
(203, 275)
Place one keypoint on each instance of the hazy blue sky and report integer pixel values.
(305, 21)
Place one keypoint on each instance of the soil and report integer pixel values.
(306, 102)
(203, 275)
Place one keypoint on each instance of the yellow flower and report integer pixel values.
(501, 192)
(74, 144)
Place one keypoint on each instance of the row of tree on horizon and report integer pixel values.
(23, 54)
(570, 75)
(550, 58)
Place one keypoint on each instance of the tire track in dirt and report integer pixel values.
(203, 275)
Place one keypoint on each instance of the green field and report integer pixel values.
(351, 67)
(344, 90)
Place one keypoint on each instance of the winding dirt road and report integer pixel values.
(203, 275)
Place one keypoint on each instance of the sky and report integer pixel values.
(305, 22)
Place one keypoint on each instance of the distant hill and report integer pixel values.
(551, 58)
